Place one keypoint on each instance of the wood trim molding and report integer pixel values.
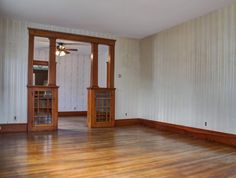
(69, 36)
(38, 62)
(220, 137)
(127, 122)
(8, 128)
(72, 113)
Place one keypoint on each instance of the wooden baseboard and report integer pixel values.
(8, 128)
(127, 122)
(220, 137)
(72, 113)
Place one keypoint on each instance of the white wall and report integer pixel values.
(189, 73)
(73, 79)
(14, 64)
(127, 87)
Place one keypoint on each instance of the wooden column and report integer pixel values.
(94, 66)
(107, 65)
(111, 67)
(52, 62)
(30, 60)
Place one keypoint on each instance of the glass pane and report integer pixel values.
(41, 49)
(103, 106)
(40, 75)
(103, 54)
(42, 107)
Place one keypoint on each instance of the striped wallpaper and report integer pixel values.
(13, 70)
(184, 75)
(188, 74)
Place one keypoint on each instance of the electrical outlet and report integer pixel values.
(205, 124)
(126, 114)
(15, 118)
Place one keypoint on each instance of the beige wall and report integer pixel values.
(189, 73)
(13, 70)
(184, 75)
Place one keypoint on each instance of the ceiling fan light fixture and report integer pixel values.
(60, 53)
(57, 53)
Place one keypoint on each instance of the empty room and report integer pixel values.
(122, 88)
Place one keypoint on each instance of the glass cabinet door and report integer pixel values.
(42, 107)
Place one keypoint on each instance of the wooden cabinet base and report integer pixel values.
(101, 107)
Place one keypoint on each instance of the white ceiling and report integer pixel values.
(128, 18)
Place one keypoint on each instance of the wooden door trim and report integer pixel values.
(53, 36)
(70, 36)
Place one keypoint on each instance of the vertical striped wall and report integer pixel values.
(13, 72)
(14, 61)
(127, 85)
(188, 74)
(73, 79)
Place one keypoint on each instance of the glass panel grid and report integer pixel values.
(42, 107)
(103, 106)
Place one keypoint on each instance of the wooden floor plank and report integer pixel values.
(133, 151)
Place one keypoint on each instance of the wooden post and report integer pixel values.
(30, 60)
(52, 62)
(94, 66)
(107, 65)
(111, 67)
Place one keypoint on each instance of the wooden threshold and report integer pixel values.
(220, 137)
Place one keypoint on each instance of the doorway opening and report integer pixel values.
(82, 67)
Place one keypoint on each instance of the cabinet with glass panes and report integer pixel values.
(42, 107)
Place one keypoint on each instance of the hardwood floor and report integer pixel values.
(133, 151)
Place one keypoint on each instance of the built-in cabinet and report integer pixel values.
(101, 108)
(42, 108)
(42, 89)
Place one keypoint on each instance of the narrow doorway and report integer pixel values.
(73, 60)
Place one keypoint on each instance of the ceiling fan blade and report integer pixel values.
(76, 43)
(71, 49)
(66, 51)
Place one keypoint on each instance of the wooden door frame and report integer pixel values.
(53, 36)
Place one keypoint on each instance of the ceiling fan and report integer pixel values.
(62, 50)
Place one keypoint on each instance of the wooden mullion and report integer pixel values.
(42, 63)
(94, 66)
(52, 62)
(111, 67)
(30, 59)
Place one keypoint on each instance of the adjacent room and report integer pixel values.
(118, 88)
